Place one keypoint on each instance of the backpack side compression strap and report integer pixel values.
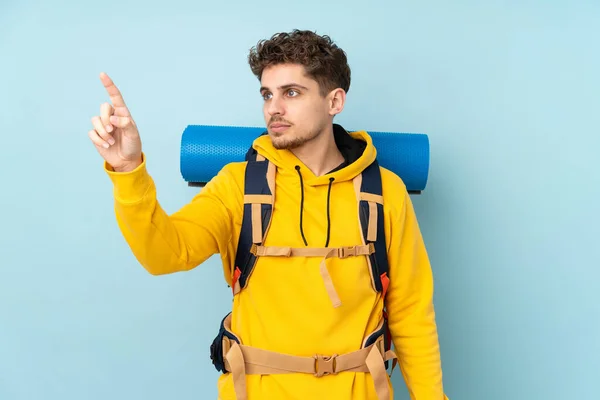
(259, 187)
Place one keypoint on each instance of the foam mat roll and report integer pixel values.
(205, 149)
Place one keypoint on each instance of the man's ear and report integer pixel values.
(337, 100)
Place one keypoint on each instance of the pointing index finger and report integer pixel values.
(113, 91)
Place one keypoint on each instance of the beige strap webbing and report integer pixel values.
(373, 200)
(237, 366)
(370, 197)
(257, 200)
(325, 252)
(340, 252)
(376, 366)
(372, 229)
(250, 360)
(257, 231)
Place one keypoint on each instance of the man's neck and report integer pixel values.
(321, 154)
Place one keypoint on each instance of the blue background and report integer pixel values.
(507, 91)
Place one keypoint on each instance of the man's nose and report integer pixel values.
(276, 106)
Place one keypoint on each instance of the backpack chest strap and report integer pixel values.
(340, 252)
(325, 252)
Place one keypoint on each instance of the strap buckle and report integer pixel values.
(371, 247)
(325, 365)
(254, 249)
(344, 252)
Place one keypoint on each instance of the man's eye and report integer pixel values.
(292, 93)
(266, 96)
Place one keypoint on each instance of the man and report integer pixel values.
(309, 301)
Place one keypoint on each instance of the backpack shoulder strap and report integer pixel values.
(369, 193)
(259, 197)
(370, 197)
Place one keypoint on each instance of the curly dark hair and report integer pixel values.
(323, 60)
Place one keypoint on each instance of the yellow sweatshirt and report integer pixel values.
(285, 307)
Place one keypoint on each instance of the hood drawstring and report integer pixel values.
(302, 208)
(328, 217)
(301, 204)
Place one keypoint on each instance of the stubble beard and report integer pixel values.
(281, 142)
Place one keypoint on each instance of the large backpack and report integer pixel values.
(259, 196)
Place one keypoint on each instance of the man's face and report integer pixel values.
(294, 110)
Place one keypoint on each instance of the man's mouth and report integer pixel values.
(279, 127)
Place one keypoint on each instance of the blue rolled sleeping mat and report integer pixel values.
(205, 149)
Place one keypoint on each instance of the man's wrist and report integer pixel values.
(128, 167)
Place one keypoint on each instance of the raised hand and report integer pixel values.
(115, 133)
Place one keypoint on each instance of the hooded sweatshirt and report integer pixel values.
(285, 307)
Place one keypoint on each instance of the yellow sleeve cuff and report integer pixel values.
(132, 186)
